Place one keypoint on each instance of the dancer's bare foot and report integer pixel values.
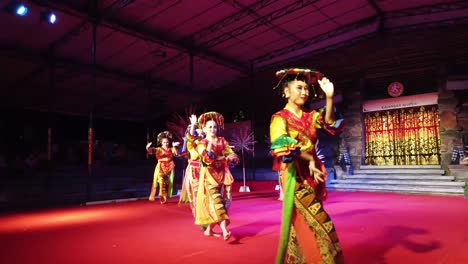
(151, 199)
(210, 233)
(213, 234)
(227, 235)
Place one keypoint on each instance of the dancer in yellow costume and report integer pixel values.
(214, 191)
(192, 173)
(307, 232)
(164, 171)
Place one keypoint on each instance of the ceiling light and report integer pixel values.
(48, 16)
(16, 8)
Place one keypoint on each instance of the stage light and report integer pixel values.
(21, 10)
(16, 8)
(49, 17)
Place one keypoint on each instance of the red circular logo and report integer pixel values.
(395, 89)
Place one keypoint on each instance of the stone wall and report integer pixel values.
(453, 122)
(351, 137)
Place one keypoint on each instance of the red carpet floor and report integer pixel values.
(373, 228)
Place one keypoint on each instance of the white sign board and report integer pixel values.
(400, 102)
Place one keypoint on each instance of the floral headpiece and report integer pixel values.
(215, 116)
(163, 135)
(311, 75)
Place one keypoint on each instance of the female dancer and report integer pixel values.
(164, 171)
(214, 190)
(192, 173)
(307, 231)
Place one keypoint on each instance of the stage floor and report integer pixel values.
(373, 228)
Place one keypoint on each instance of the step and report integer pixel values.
(400, 171)
(450, 190)
(459, 171)
(386, 167)
(400, 177)
(399, 182)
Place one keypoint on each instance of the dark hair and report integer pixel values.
(315, 92)
(284, 81)
(309, 76)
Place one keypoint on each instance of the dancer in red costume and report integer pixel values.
(192, 173)
(164, 171)
(307, 232)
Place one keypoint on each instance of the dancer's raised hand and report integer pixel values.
(148, 145)
(327, 86)
(193, 119)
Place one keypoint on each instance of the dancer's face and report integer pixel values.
(165, 143)
(210, 129)
(297, 92)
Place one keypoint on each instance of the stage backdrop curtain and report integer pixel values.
(405, 136)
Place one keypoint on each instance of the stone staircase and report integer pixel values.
(428, 179)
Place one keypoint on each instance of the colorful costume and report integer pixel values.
(164, 172)
(214, 176)
(307, 232)
(192, 173)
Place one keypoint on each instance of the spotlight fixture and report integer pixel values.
(16, 8)
(48, 16)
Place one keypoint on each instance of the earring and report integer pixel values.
(313, 89)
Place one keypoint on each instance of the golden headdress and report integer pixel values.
(215, 116)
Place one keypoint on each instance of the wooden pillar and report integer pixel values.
(191, 70)
(50, 101)
(252, 117)
(92, 98)
(91, 113)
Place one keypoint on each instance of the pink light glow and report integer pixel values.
(60, 218)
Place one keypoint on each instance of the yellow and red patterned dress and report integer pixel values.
(192, 173)
(307, 232)
(164, 171)
(214, 177)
